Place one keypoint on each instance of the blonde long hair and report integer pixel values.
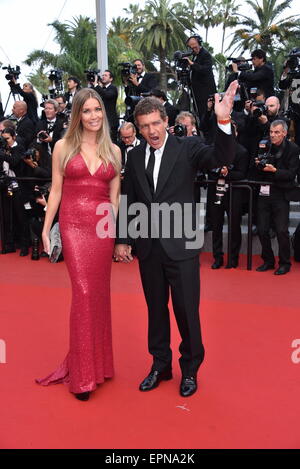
(73, 137)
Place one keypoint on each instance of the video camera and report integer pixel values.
(182, 67)
(40, 191)
(13, 73)
(293, 63)
(91, 74)
(127, 69)
(242, 64)
(55, 75)
(180, 130)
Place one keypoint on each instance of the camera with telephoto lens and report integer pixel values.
(13, 73)
(264, 155)
(261, 109)
(128, 69)
(40, 191)
(30, 154)
(180, 130)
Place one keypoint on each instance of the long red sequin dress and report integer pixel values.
(88, 259)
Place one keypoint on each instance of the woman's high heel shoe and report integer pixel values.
(83, 396)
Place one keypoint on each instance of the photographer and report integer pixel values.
(261, 77)
(25, 127)
(277, 164)
(51, 129)
(185, 125)
(220, 204)
(139, 82)
(202, 78)
(29, 96)
(73, 85)
(15, 223)
(109, 94)
(289, 82)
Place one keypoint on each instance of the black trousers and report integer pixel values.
(275, 208)
(217, 221)
(160, 274)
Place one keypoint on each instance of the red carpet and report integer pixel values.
(248, 386)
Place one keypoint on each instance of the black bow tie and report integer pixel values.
(128, 146)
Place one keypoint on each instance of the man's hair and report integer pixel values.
(62, 96)
(110, 74)
(8, 123)
(53, 102)
(139, 60)
(183, 115)
(280, 122)
(127, 125)
(158, 94)
(10, 131)
(147, 106)
(75, 79)
(259, 53)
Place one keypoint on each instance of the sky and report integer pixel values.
(24, 27)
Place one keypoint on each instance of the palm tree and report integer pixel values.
(208, 16)
(78, 47)
(266, 27)
(228, 12)
(162, 31)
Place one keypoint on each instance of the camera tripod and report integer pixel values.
(9, 96)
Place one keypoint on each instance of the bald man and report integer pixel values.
(25, 127)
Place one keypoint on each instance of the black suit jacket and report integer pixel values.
(148, 83)
(181, 159)
(58, 131)
(261, 77)
(109, 96)
(172, 113)
(26, 130)
(203, 82)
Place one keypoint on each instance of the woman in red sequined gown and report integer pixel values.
(86, 167)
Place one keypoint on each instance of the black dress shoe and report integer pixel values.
(7, 249)
(188, 386)
(83, 396)
(217, 264)
(282, 269)
(24, 252)
(264, 267)
(154, 378)
(233, 265)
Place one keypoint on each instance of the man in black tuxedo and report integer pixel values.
(128, 140)
(162, 171)
(109, 95)
(202, 77)
(51, 129)
(25, 127)
(261, 77)
(142, 82)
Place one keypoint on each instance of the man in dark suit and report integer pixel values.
(109, 95)
(142, 82)
(162, 171)
(128, 140)
(25, 127)
(261, 77)
(202, 77)
(171, 111)
(51, 129)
